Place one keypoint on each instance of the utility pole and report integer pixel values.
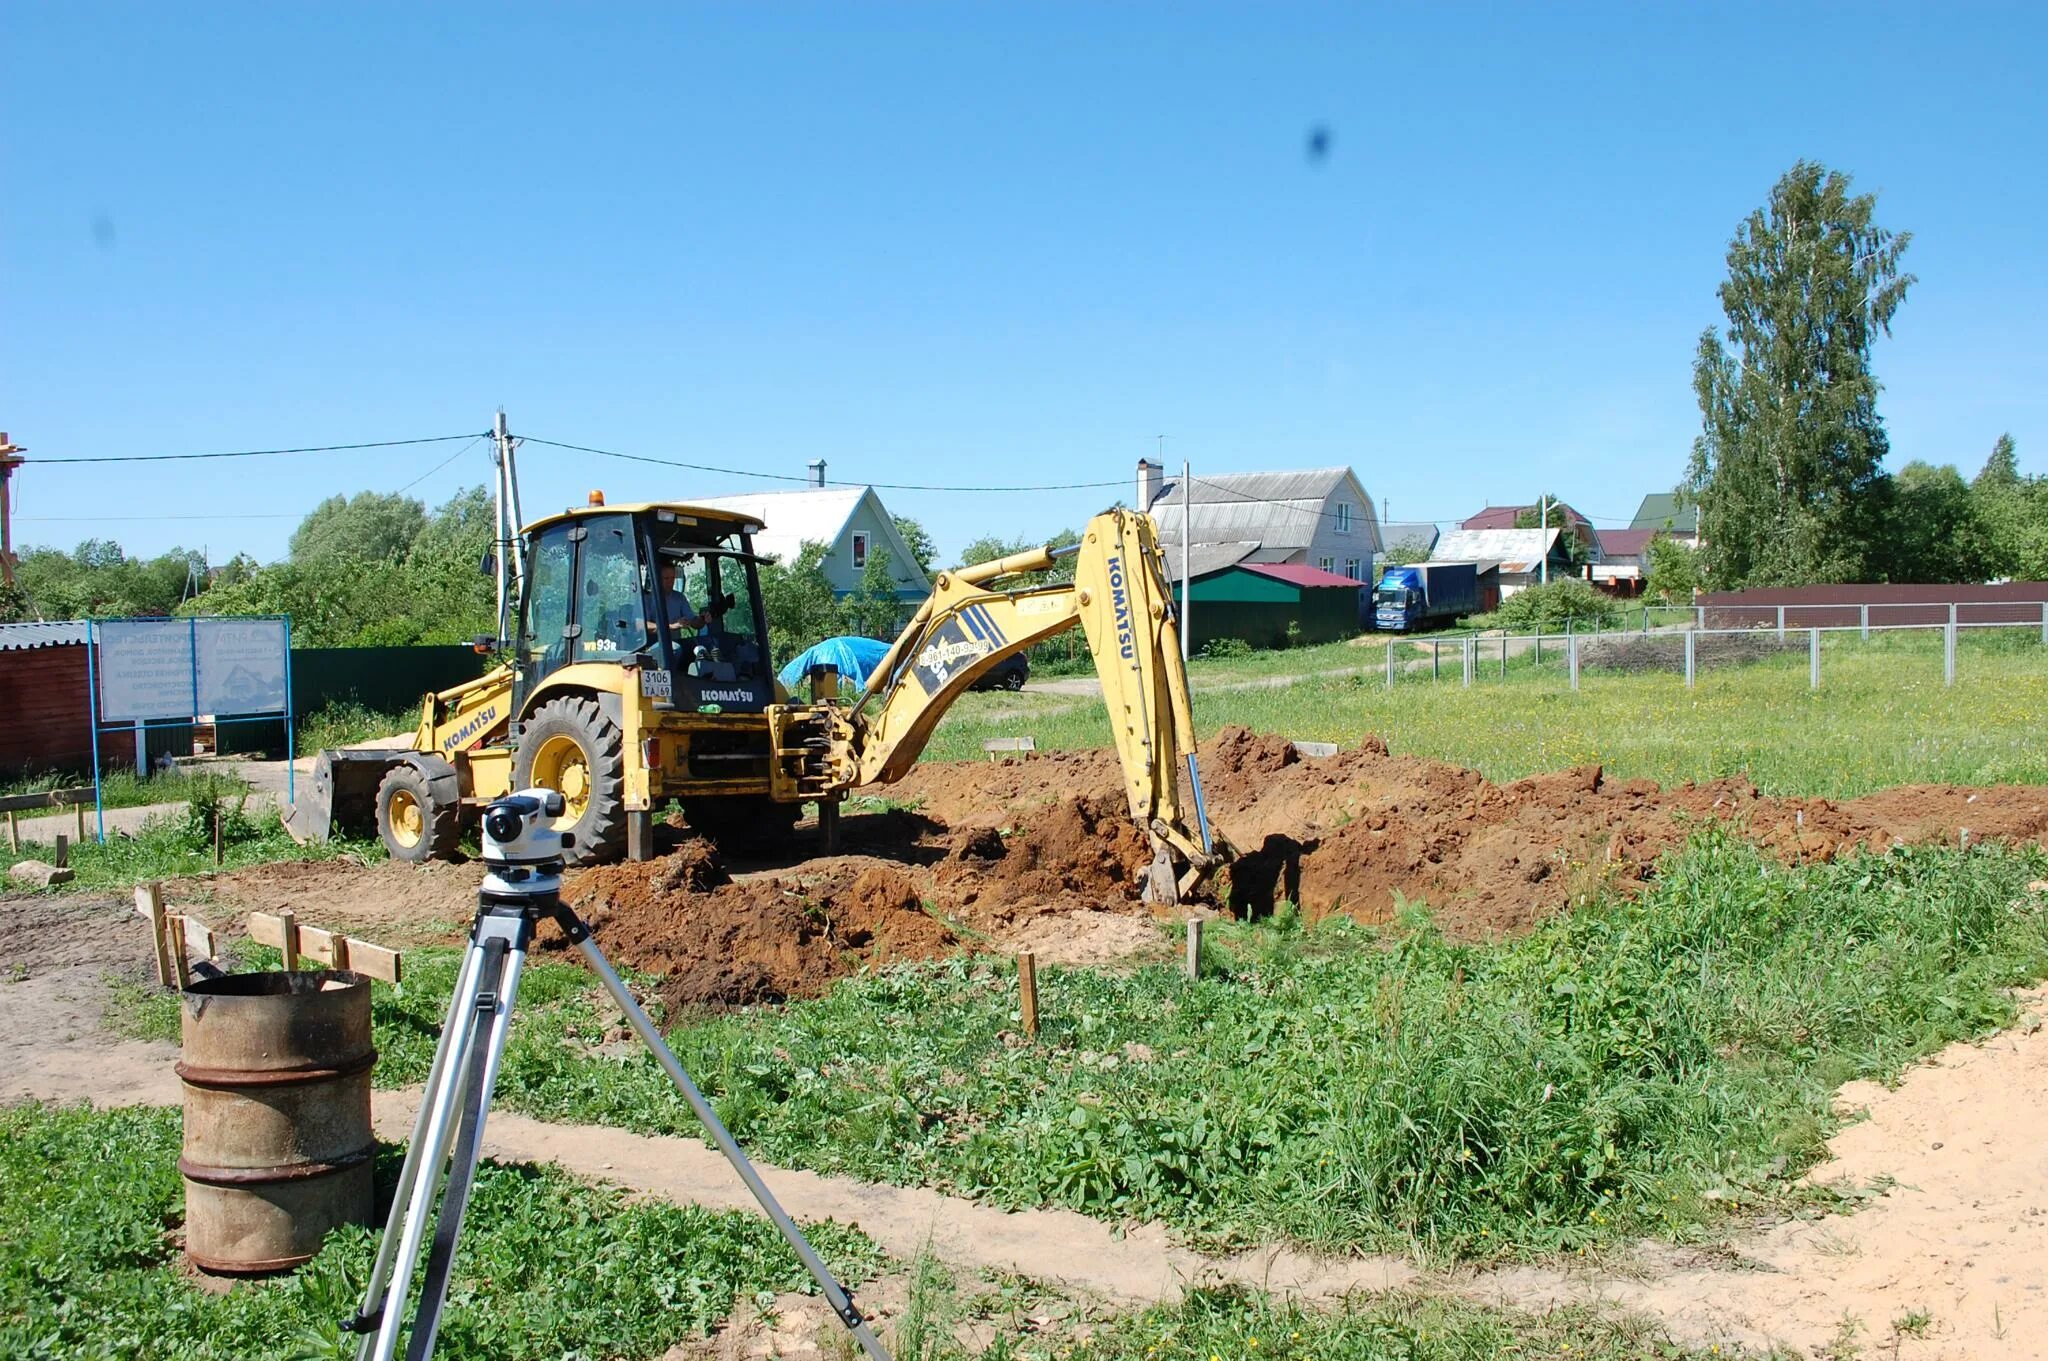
(10, 459)
(1543, 499)
(510, 550)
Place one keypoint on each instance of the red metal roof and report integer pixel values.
(1504, 517)
(1626, 543)
(1299, 574)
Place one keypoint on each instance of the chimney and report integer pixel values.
(817, 467)
(1149, 479)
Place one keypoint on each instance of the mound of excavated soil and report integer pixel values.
(721, 943)
(1039, 854)
(1347, 833)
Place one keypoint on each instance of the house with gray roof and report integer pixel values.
(1408, 536)
(1318, 517)
(851, 522)
(1520, 553)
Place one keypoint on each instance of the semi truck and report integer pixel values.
(1424, 593)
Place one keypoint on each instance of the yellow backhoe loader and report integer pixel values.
(640, 673)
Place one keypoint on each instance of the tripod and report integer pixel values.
(447, 1133)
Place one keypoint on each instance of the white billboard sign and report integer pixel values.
(241, 666)
(145, 669)
(152, 669)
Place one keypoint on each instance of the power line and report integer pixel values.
(835, 482)
(250, 453)
(439, 466)
(94, 519)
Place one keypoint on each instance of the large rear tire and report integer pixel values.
(571, 747)
(419, 811)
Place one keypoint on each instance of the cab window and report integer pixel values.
(613, 607)
(544, 622)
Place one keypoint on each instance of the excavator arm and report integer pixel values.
(1120, 599)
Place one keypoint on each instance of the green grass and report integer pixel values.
(1637, 1067)
(175, 844)
(550, 1267)
(126, 789)
(1882, 717)
(1235, 1324)
(343, 723)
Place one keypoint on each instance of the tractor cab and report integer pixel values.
(672, 591)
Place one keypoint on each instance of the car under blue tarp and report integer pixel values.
(855, 658)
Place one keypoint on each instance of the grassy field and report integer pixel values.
(1637, 1067)
(181, 842)
(550, 1267)
(344, 723)
(126, 789)
(1881, 717)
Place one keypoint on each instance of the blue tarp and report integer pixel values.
(855, 658)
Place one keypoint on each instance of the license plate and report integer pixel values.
(657, 683)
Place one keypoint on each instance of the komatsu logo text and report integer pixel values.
(1120, 601)
(727, 696)
(481, 721)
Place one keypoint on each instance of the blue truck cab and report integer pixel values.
(1424, 593)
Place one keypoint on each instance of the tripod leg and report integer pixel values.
(420, 1172)
(485, 1056)
(440, 1133)
(835, 1294)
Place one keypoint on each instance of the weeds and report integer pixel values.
(180, 843)
(1659, 1066)
(126, 789)
(550, 1267)
(1236, 1324)
(344, 722)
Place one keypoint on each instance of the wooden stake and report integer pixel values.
(1027, 991)
(290, 942)
(13, 832)
(1194, 948)
(216, 838)
(149, 902)
(63, 850)
(79, 808)
(175, 924)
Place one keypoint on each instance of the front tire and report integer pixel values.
(419, 811)
(571, 747)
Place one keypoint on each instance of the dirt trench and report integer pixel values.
(1042, 853)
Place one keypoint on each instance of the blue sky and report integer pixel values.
(965, 244)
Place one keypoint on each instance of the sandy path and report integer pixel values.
(1961, 1239)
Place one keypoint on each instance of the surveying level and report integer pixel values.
(522, 853)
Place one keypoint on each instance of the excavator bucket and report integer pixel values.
(340, 798)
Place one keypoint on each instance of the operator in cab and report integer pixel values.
(682, 616)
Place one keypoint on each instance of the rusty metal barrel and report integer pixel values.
(278, 1144)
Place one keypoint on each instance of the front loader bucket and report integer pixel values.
(340, 799)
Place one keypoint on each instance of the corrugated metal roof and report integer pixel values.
(1504, 517)
(1420, 533)
(1660, 510)
(1516, 550)
(1626, 543)
(1301, 574)
(1275, 510)
(59, 633)
(1204, 558)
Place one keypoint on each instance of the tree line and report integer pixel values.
(1788, 473)
(380, 569)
